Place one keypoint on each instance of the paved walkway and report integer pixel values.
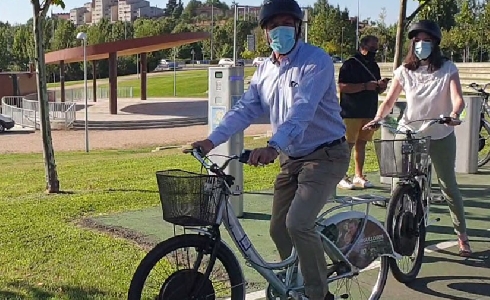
(132, 109)
(444, 274)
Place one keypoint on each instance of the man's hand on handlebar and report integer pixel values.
(262, 156)
(205, 146)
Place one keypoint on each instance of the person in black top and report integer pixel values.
(359, 85)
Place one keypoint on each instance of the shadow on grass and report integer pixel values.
(256, 216)
(119, 231)
(468, 284)
(132, 190)
(39, 292)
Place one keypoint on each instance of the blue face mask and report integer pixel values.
(282, 39)
(423, 49)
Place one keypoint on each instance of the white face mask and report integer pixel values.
(423, 49)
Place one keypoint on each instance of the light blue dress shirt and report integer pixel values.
(300, 94)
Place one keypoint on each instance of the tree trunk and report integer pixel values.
(399, 34)
(52, 183)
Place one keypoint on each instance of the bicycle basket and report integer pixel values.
(402, 158)
(189, 199)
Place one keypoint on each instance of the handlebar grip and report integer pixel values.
(245, 156)
(199, 150)
(447, 120)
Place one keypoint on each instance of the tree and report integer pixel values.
(441, 11)
(169, 9)
(466, 33)
(40, 10)
(403, 23)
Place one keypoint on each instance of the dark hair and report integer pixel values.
(435, 59)
(363, 43)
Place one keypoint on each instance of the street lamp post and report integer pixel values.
(83, 36)
(342, 45)
(357, 28)
(234, 34)
(305, 21)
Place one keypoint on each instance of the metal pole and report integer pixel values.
(85, 91)
(175, 76)
(342, 46)
(212, 28)
(138, 65)
(234, 35)
(357, 28)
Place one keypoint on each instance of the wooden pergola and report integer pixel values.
(112, 50)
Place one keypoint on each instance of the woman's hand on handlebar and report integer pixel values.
(373, 124)
(455, 121)
(205, 146)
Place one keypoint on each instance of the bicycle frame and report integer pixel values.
(232, 224)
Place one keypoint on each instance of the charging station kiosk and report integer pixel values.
(226, 85)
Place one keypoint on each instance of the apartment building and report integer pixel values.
(103, 9)
(77, 15)
(113, 10)
(129, 10)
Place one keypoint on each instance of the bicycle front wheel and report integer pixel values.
(406, 227)
(179, 277)
(484, 143)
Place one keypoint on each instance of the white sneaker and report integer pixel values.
(346, 184)
(362, 181)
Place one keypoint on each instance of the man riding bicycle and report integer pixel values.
(296, 85)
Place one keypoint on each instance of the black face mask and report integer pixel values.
(370, 56)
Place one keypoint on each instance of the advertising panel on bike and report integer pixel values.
(364, 246)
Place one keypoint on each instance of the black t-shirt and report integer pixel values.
(365, 103)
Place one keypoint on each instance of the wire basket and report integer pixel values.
(190, 199)
(402, 158)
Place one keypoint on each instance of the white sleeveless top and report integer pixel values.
(428, 96)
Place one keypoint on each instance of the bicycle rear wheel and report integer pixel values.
(484, 143)
(182, 278)
(406, 227)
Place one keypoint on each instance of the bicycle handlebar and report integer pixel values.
(478, 88)
(197, 153)
(394, 130)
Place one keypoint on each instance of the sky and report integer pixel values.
(19, 11)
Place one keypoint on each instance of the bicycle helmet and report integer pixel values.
(427, 26)
(272, 8)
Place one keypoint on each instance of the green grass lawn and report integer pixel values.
(190, 83)
(46, 255)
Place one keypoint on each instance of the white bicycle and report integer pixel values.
(352, 241)
(408, 212)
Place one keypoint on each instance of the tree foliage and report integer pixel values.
(464, 24)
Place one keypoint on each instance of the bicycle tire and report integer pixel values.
(224, 254)
(400, 191)
(486, 159)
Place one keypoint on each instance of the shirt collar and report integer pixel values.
(291, 55)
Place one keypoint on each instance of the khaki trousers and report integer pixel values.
(301, 190)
